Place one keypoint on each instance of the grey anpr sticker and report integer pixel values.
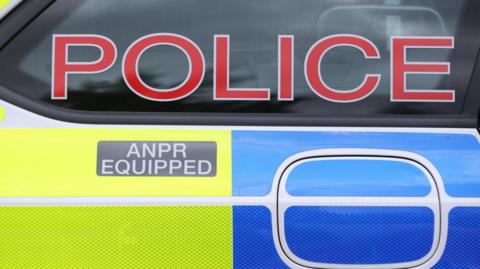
(157, 158)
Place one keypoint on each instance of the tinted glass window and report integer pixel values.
(254, 27)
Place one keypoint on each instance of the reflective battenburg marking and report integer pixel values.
(401, 233)
(359, 235)
(3, 3)
(61, 162)
(253, 239)
(40, 165)
(463, 241)
(116, 237)
(258, 154)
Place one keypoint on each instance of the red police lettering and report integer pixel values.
(285, 68)
(314, 75)
(189, 85)
(401, 67)
(221, 84)
(62, 67)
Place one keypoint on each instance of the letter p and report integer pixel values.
(62, 67)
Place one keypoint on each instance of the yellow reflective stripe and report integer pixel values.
(3, 3)
(61, 162)
(116, 237)
(2, 114)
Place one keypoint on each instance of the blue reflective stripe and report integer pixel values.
(463, 242)
(258, 154)
(359, 235)
(359, 177)
(253, 246)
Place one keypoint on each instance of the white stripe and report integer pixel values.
(6, 9)
(16, 117)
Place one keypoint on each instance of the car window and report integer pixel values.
(253, 28)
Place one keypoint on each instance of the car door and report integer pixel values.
(239, 134)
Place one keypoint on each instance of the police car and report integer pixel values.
(239, 134)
